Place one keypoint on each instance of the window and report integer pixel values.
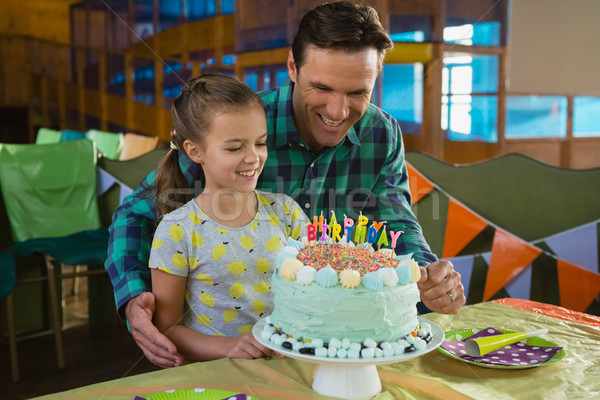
(469, 97)
(403, 95)
(480, 34)
(586, 116)
(536, 117)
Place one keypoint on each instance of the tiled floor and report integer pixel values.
(93, 354)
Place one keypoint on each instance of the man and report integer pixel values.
(329, 148)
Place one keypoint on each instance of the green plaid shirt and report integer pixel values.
(364, 173)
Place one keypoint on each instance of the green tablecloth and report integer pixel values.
(431, 376)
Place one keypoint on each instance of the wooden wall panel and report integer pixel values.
(117, 110)
(49, 19)
(15, 80)
(469, 152)
(143, 118)
(71, 96)
(93, 105)
(546, 151)
(52, 91)
(585, 153)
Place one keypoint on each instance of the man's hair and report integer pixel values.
(341, 26)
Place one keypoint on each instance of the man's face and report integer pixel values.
(332, 91)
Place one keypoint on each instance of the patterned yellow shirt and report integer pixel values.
(228, 270)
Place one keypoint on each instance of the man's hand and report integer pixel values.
(156, 347)
(441, 289)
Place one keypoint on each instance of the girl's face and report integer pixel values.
(234, 152)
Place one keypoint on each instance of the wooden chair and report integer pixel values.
(109, 144)
(135, 145)
(7, 284)
(49, 193)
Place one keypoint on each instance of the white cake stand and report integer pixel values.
(349, 378)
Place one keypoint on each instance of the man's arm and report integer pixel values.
(128, 253)
(129, 245)
(392, 201)
(440, 285)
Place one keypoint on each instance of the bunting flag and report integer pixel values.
(578, 246)
(464, 266)
(462, 225)
(125, 191)
(520, 286)
(105, 181)
(419, 185)
(578, 287)
(561, 269)
(510, 255)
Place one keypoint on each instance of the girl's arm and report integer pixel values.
(169, 291)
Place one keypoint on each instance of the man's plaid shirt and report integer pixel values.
(364, 173)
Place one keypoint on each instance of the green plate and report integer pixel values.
(461, 334)
(192, 394)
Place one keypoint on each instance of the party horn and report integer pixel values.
(481, 346)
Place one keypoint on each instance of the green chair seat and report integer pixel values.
(109, 144)
(45, 136)
(88, 247)
(49, 192)
(8, 278)
(68, 134)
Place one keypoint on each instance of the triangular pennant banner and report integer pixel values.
(419, 185)
(520, 287)
(487, 257)
(104, 181)
(464, 266)
(578, 246)
(577, 286)
(462, 225)
(510, 255)
(125, 191)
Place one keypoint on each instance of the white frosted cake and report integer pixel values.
(340, 300)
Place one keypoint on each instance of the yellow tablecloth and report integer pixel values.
(432, 376)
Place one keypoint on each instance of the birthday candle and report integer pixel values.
(333, 219)
(395, 236)
(382, 238)
(377, 225)
(335, 232)
(359, 235)
(311, 232)
(325, 227)
(348, 230)
(362, 221)
(318, 221)
(372, 235)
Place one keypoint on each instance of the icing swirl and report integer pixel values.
(389, 276)
(403, 272)
(289, 268)
(294, 244)
(372, 281)
(306, 275)
(349, 278)
(415, 271)
(326, 277)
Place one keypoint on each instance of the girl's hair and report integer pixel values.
(193, 112)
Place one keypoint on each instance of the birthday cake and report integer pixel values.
(333, 298)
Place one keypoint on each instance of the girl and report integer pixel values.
(212, 259)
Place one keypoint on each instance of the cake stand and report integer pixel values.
(349, 378)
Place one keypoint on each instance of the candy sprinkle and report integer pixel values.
(340, 257)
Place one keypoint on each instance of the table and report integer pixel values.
(432, 376)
